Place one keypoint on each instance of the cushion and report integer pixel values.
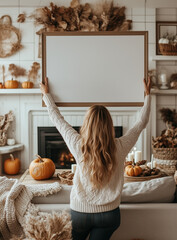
(158, 190)
(62, 197)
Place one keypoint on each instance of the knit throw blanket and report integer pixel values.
(16, 209)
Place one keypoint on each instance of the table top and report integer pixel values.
(27, 179)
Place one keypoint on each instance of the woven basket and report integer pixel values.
(168, 49)
(166, 159)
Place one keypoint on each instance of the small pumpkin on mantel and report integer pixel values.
(42, 168)
(11, 83)
(131, 170)
(12, 165)
(27, 84)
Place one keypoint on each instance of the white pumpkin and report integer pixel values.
(164, 40)
(143, 167)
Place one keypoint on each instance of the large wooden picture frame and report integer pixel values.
(86, 68)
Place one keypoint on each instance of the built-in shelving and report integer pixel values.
(21, 91)
(164, 58)
(164, 92)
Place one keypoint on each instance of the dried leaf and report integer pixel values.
(21, 18)
(74, 3)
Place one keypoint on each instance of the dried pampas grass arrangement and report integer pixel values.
(33, 72)
(51, 226)
(46, 226)
(82, 17)
(16, 71)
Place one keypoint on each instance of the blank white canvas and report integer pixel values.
(95, 69)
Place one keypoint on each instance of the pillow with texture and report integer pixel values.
(158, 190)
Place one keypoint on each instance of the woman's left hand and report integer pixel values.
(44, 87)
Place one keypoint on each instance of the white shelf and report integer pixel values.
(164, 58)
(21, 91)
(9, 149)
(164, 92)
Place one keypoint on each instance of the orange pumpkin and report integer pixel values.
(27, 84)
(41, 168)
(11, 84)
(1, 85)
(12, 165)
(131, 170)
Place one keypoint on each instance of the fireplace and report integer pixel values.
(52, 145)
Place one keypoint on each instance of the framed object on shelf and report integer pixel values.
(166, 38)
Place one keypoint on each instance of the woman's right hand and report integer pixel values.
(147, 86)
(44, 87)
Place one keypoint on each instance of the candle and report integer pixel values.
(152, 166)
(138, 156)
(148, 165)
(73, 168)
(130, 157)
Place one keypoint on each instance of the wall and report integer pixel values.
(27, 108)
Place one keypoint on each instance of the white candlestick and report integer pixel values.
(73, 168)
(138, 156)
(163, 78)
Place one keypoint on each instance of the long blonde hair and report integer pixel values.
(98, 144)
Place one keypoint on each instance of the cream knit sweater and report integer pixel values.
(84, 198)
(15, 200)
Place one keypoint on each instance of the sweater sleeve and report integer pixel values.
(128, 140)
(69, 134)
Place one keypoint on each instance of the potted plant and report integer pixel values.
(32, 76)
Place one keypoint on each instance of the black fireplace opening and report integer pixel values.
(52, 145)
